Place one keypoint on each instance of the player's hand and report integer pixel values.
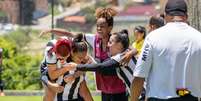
(44, 32)
(56, 87)
(69, 78)
(127, 56)
(70, 66)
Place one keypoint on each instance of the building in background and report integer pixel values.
(23, 11)
(11, 10)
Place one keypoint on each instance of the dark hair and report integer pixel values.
(106, 13)
(158, 21)
(78, 44)
(124, 31)
(123, 38)
(141, 29)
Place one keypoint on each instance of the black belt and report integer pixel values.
(188, 97)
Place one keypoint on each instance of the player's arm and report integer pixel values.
(58, 32)
(84, 92)
(55, 72)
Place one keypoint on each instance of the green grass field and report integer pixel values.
(31, 98)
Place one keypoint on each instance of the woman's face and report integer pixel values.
(78, 57)
(62, 59)
(114, 46)
(138, 35)
(102, 27)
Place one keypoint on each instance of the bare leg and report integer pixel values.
(49, 94)
(2, 93)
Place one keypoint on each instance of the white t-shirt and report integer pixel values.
(170, 59)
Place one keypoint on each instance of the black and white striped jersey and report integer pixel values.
(108, 67)
(71, 89)
(125, 73)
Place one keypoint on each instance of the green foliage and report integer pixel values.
(90, 11)
(9, 48)
(2, 14)
(90, 78)
(101, 4)
(56, 10)
(20, 70)
(21, 37)
(65, 3)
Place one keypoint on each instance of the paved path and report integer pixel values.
(45, 22)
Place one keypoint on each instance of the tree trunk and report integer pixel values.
(194, 12)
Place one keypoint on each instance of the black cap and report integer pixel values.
(176, 8)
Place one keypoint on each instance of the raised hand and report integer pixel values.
(70, 66)
(69, 78)
(56, 87)
(127, 56)
(44, 32)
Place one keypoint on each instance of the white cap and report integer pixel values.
(1, 50)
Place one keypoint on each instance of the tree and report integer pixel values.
(27, 8)
(20, 70)
(194, 12)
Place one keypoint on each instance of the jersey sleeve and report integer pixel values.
(90, 38)
(50, 57)
(106, 68)
(117, 57)
(145, 59)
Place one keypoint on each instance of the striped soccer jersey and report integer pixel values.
(125, 73)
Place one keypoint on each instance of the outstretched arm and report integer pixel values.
(55, 72)
(106, 68)
(58, 32)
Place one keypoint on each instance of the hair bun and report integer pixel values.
(78, 37)
(124, 31)
(105, 12)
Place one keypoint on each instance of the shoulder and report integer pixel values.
(117, 57)
(50, 56)
(134, 44)
(89, 36)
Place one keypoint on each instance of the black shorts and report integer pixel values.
(115, 97)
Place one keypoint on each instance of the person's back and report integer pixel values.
(176, 53)
(170, 59)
